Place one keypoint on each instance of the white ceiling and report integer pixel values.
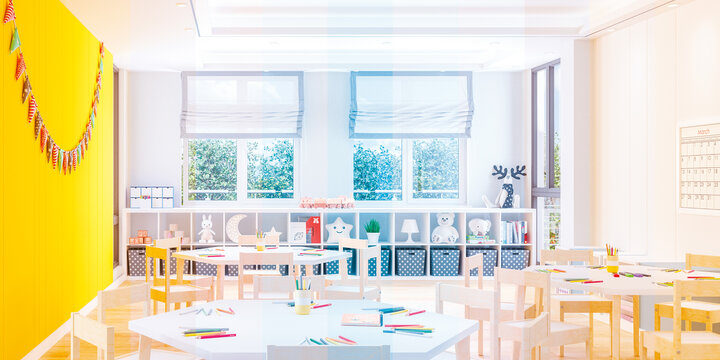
(345, 34)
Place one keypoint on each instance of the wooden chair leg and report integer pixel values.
(100, 354)
(539, 353)
(643, 349)
(562, 319)
(709, 326)
(516, 350)
(657, 318)
(480, 339)
(188, 304)
(592, 327)
(589, 348)
(177, 306)
(688, 325)
(74, 347)
(155, 307)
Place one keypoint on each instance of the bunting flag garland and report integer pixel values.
(66, 160)
(9, 13)
(15, 42)
(20, 68)
(32, 109)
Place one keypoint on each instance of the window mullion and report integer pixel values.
(407, 175)
(242, 163)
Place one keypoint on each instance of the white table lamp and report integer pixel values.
(410, 227)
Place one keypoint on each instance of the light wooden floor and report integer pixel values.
(415, 296)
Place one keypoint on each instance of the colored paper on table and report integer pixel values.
(361, 320)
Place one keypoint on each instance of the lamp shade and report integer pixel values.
(409, 226)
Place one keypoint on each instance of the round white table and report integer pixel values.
(230, 257)
(615, 288)
(259, 323)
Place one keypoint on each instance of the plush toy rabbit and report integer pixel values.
(206, 234)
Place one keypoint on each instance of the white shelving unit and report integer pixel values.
(263, 219)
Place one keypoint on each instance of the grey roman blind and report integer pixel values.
(411, 104)
(239, 105)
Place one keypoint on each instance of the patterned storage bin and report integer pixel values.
(384, 264)
(410, 262)
(517, 259)
(489, 260)
(205, 269)
(232, 270)
(332, 267)
(444, 262)
(136, 262)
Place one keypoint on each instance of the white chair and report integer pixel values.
(356, 352)
(263, 258)
(528, 335)
(358, 287)
(482, 312)
(102, 336)
(576, 303)
(281, 287)
(678, 344)
(476, 298)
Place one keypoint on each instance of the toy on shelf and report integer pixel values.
(142, 238)
(479, 229)
(445, 233)
(506, 198)
(231, 228)
(340, 202)
(312, 227)
(338, 229)
(206, 234)
(173, 232)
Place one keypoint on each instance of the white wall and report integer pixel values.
(499, 134)
(648, 78)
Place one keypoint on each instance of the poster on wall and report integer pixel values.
(699, 167)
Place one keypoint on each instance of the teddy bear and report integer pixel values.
(206, 234)
(445, 232)
(479, 227)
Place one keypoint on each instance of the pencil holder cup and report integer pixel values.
(303, 299)
(611, 263)
(260, 245)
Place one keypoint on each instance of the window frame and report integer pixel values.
(241, 181)
(407, 178)
(549, 190)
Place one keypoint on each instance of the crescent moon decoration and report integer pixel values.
(231, 228)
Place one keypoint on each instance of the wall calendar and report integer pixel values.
(699, 182)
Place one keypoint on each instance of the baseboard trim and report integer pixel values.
(61, 331)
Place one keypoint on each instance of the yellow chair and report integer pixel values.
(358, 287)
(576, 303)
(678, 344)
(693, 310)
(167, 289)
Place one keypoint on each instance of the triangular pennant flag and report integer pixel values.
(78, 150)
(55, 154)
(82, 147)
(63, 162)
(43, 138)
(27, 89)
(38, 125)
(89, 132)
(9, 13)
(74, 159)
(48, 148)
(20, 68)
(32, 109)
(99, 81)
(85, 141)
(101, 65)
(15, 42)
(92, 119)
(102, 48)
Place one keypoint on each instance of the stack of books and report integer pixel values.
(514, 232)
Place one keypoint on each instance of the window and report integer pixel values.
(436, 165)
(433, 168)
(546, 151)
(377, 170)
(232, 170)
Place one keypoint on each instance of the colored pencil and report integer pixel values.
(341, 341)
(332, 341)
(400, 325)
(391, 309)
(225, 311)
(204, 330)
(406, 333)
(323, 341)
(321, 306)
(558, 270)
(592, 282)
(416, 312)
(398, 312)
(346, 339)
(206, 333)
(315, 341)
(216, 336)
(231, 310)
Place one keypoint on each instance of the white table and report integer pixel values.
(259, 323)
(615, 288)
(231, 258)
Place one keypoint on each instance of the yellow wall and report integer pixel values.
(55, 230)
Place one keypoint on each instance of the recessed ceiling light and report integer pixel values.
(673, 5)
(182, 5)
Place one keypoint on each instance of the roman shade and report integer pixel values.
(411, 104)
(236, 105)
